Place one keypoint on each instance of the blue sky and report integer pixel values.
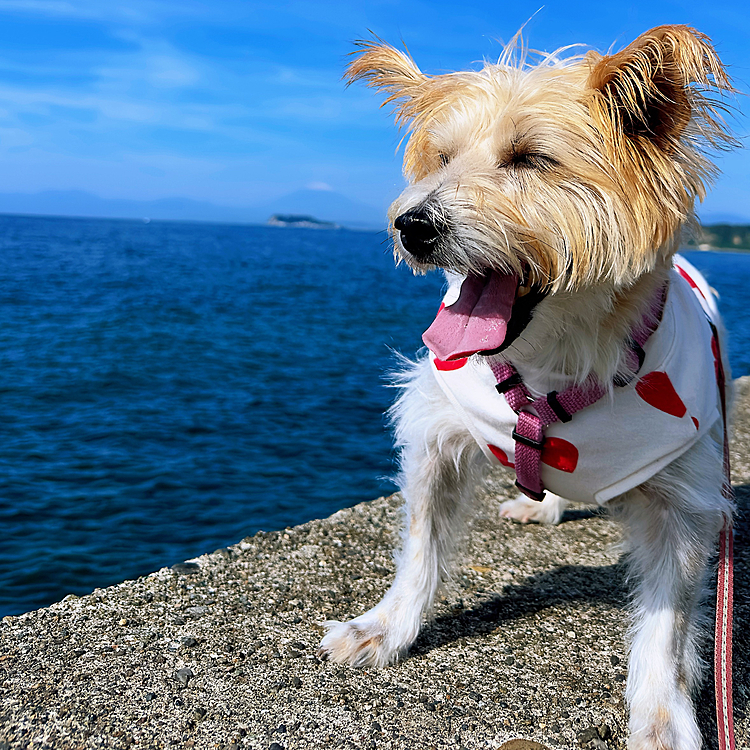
(239, 102)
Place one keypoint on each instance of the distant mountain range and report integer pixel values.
(722, 218)
(326, 205)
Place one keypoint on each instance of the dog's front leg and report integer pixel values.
(673, 523)
(440, 465)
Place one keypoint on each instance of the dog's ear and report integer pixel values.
(384, 67)
(649, 91)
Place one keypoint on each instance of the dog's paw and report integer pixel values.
(362, 642)
(666, 726)
(525, 510)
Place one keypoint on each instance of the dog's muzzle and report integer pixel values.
(419, 232)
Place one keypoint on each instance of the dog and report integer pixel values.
(554, 196)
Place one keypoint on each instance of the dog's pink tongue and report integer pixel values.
(476, 321)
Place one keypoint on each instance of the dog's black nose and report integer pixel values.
(419, 233)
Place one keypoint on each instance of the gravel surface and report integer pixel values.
(220, 651)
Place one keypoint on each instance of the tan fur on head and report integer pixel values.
(651, 105)
(386, 68)
(578, 171)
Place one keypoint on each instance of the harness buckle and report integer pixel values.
(557, 407)
(530, 442)
(619, 381)
(638, 349)
(509, 383)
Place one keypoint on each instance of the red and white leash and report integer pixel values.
(723, 641)
(723, 633)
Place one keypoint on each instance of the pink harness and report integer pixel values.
(724, 597)
(555, 407)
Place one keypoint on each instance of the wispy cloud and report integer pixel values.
(248, 92)
(133, 12)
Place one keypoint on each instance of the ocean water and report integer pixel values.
(168, 388)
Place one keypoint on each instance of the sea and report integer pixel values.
(169, 388)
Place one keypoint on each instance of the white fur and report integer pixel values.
(526, 510)
(440, 467)
(672, 523)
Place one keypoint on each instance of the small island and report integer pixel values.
(724, 237)
(300, 220)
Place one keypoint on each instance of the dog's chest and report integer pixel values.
(620, 441)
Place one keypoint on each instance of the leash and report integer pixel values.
(724, 584)
(723, 640)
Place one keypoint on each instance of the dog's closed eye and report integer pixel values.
(529, 160)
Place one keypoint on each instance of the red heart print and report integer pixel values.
(656, 389)
(501, 456)
(454, 364)
(560, 454)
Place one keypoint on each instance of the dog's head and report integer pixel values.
(572, 172)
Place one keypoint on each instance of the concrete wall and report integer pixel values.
(221, 652)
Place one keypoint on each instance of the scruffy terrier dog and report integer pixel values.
(573, 345)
